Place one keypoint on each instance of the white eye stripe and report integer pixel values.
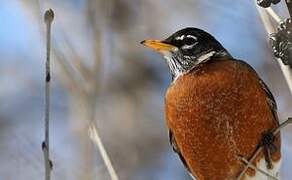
(193, 37)
(188, 36)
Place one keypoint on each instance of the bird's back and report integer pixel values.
(217, 112)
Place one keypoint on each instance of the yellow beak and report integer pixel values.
(158, 45)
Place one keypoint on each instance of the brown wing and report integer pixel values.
(270, 98)
(176, 149)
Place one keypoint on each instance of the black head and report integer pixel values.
(193, 42)
(187, 48)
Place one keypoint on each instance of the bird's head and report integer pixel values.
(187, 48)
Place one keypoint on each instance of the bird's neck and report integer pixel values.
(176, 67)
(179, 64)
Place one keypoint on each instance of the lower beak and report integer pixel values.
(158, 45)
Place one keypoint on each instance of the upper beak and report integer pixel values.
(158, 45)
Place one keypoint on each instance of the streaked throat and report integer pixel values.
(179, 64)
(174, 62)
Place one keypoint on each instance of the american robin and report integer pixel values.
(217, 109)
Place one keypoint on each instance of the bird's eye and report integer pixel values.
(189, 41)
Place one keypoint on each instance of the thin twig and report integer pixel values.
(250, 162)
(93, 134)
(68, 71)
(48, 18)
(254, 167)
(282, 125)
(70, 80)
(254, 156)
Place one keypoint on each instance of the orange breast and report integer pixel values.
(216, 112)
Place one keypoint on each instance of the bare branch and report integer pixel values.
(48, 18)
(93, 134)
(259, 150)
(254, 167)
(93, 76)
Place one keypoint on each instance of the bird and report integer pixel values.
(217, 109)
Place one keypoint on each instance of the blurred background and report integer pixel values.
(101, 73)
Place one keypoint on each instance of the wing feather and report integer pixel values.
(176, 149)
(270, 98)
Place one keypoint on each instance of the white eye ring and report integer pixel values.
(180, 37)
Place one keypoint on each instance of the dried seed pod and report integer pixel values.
(267, 3)
(281, 42)
(264, 3)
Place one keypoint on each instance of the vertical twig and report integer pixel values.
(286, 70)
(48, 18)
